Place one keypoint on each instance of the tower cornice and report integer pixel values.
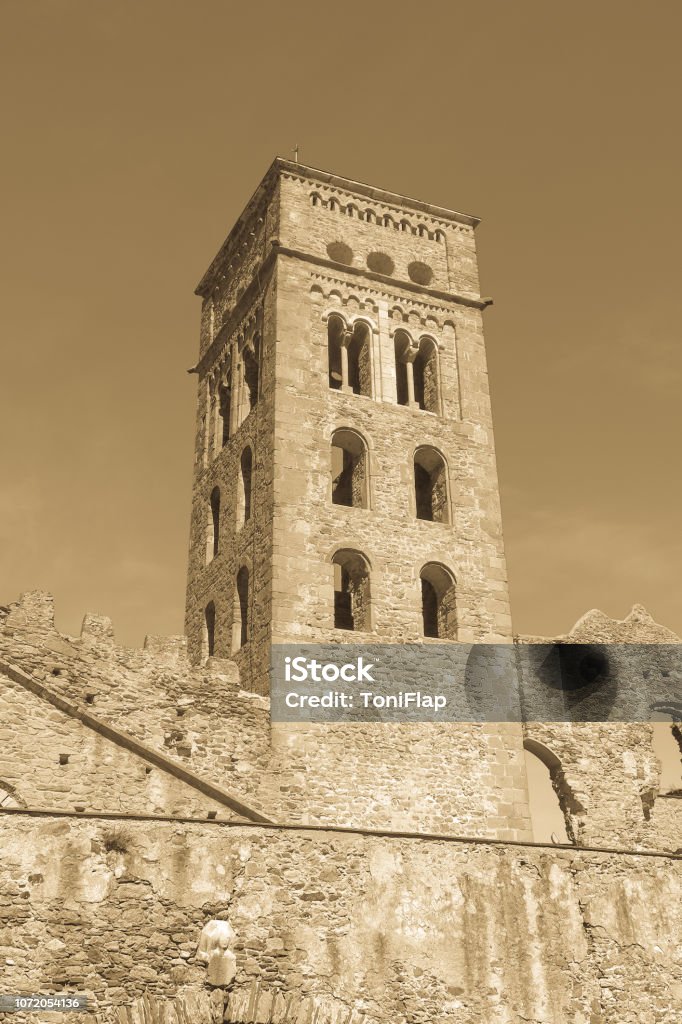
(334, 182)
(361, 188)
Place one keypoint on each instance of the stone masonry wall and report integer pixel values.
(458, 779)
(608, 774)
(395, 928)
(277, 259)
(442, 240)
(451, 778)
(308, 527)
(96, 774)
(241, 544)
(200, 718)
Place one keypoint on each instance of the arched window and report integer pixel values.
(213, 525)
(349, 469)
(360, 360)
(251, 360)
(351, 591)
(209, 630)
(244, 499)
(224, 404)
(349, 370)
(439, 613)
(214, 426)
(426, 376)
(548, 796)
(336, 330)
(240, 631)
(401, 346)
(431, 486)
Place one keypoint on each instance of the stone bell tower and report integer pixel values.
(345, 485)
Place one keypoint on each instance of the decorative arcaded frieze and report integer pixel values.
(337, 293)
(338, 201)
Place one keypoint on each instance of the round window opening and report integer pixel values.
(420, 273)
(380, 263)
(340, 253)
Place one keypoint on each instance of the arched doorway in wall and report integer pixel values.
(548, 816)
(667, 744)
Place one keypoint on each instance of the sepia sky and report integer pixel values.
(133, 133)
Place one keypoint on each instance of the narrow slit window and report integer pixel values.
(213, 526)
(335, 332)
(209, 630)
(241, 620)
(246, 473)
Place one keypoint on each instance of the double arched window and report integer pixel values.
(349, 363)
(349, 356)
(416, 372)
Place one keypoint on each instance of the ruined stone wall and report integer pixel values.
(393, 928)
(452, 778)
(199, 718)
(458, 779)
(48, 760)
(606, 774)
